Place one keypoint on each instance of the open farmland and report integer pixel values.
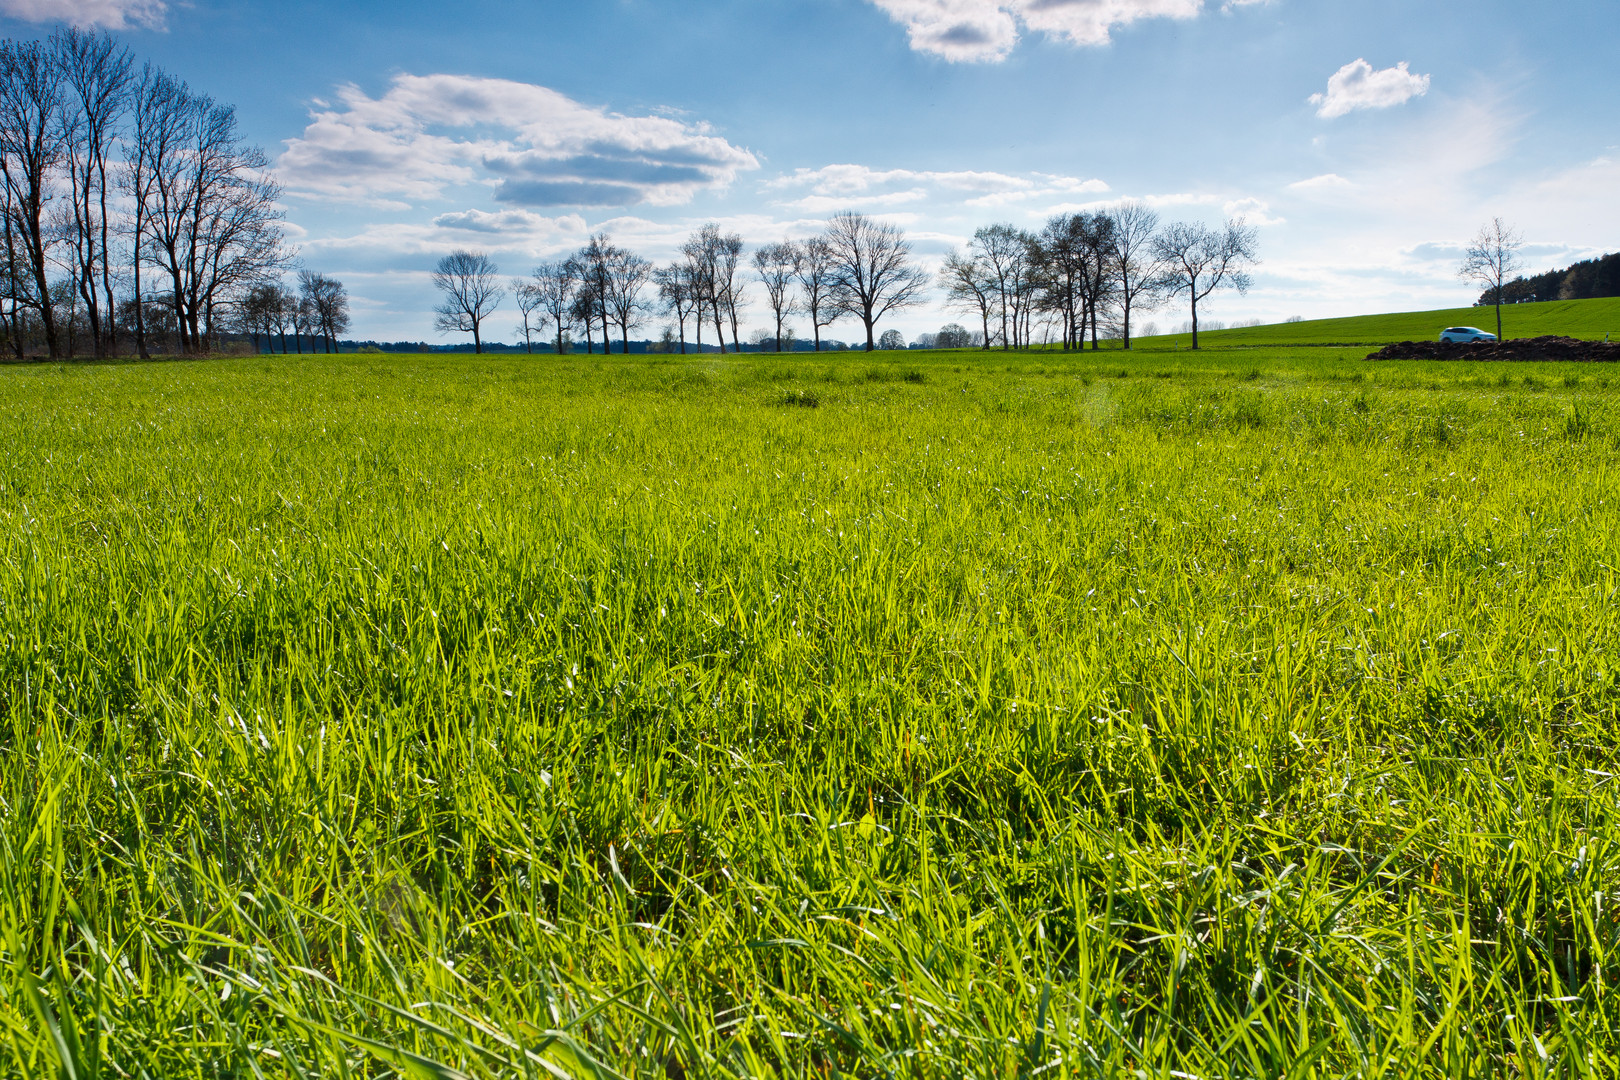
(1587, 319)
(953, 714)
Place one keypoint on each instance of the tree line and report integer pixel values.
(1588, 279)
(1079, 274)
(134, 214)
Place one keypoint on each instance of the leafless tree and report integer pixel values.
(587, 310)
(1491, 258)
(714, 259)
(1004, 252)
(304, 320)
(256, 313)
(816, 284)
(555, 283)
(213, 216)
(96, 75)
(328, 304)
(872, 271)
(531, 310)
(1199, 260)
(969, 287)
(157, 128)
(32, 147)
(594, 261)
(1098, 283)
(778, 267)
(628, 274)
(728, 291)
(472, 291)
(1059, 255)
(674, 289)
(1137, 272)
(698, 270)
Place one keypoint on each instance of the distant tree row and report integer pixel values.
(1586, 280)
(133, 214)
(1081, 273)
(1090, 271)
(858, 267)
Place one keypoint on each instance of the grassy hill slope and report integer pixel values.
(1572, 318)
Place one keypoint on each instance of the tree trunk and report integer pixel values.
(1194, 295)
(478, 342)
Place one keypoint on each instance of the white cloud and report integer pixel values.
(987, 30)
(534, 146)
(1254, 211)
(112, 14)
(1358, 86)
(1325, 182)
(837, 187)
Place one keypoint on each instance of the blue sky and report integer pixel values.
(1367, 139)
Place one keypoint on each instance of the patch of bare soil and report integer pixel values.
(1541, 348)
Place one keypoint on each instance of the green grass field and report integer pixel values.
(1593, 319)
(1250, 713)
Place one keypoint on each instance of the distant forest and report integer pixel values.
(1584, 281)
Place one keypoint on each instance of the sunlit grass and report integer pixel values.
(915, 716)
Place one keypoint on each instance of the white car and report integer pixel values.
(1463, 335)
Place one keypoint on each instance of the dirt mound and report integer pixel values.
(1541, 348)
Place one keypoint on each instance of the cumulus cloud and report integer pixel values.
(1254, 211)
(112, 14)
(987, 30)
(1358, 86)
(534, 146)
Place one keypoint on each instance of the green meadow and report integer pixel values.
(1242, 713)
(1588, 319)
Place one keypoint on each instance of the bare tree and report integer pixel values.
(675, 290)
(969, 287)
(155, 134)
(1490, 259)
(32, 146)
(587, 308)
(555, 284)
(778, 267)
(1098, 283)
(594, 268)
(1199, 260)
(531, 309)
(257, 313)
(304, 321)
(96, 72)
(213, 216)
(328, 303)
(1137, 272)
(472, 291)
(698, 270)
(872, 272)
(627, 275)
(1059, 254)
(1004, 252)
(728, 291)
(816, 283)
(285, 313)
(714, 258)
